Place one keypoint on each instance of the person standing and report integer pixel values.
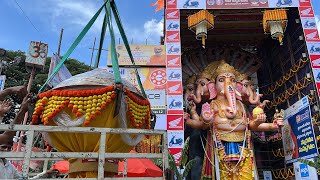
(7, 170)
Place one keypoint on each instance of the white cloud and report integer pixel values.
(151, 31)
(153, 27)
(73, 15)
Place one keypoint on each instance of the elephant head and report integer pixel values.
(224, 87)
(243, 85)
(203, 84)
(202, 91)
(189, 88)
(254, 98)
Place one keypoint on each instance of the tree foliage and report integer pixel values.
(18, 74)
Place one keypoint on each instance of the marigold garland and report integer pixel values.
(90, 103)
(138, 110)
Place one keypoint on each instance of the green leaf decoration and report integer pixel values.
(188, 167)
(184, 153)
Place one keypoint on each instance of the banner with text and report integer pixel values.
(143, 55)
(233, 4)
(151, 78)
(298, 134)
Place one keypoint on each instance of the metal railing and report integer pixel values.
(101, 155)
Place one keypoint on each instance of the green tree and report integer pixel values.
(18, 74)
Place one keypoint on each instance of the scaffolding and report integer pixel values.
(27, 155)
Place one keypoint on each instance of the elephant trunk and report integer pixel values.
(253, 97)
(197, 98)
(230, 94)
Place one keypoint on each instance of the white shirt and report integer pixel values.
(8, 171)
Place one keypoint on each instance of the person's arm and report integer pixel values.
(21, 91)
(8, 135)
(4, 107)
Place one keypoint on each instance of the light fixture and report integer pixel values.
(300, 38)
(304, 55)
(308, 75)
(316, 108)
(200, 23)
(312, 92)
(275, 23)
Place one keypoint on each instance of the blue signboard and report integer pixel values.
(298, 135)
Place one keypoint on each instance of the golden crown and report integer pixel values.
(242, 77)
(205, 74)
(192, 79)
(224, 68)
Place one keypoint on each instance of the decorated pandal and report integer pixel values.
(218, 99)
(91, 100)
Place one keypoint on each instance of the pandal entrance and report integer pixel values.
(282, 73)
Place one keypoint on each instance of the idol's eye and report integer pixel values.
(234, 80)
(203, 84)
(246, 85)
(191, 89)
(220, 79)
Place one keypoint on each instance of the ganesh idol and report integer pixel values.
(228, 153)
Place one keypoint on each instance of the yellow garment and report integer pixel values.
(244, 170)
(81, 142)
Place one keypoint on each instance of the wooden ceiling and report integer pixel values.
(236, 37)
(231, 26)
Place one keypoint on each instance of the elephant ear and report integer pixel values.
(212, 90)
(239, 86)
(238, 96)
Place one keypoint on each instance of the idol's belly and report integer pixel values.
(230, 127)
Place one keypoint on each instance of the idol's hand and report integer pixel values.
(261, 118)
(279, 122)
(207, 113)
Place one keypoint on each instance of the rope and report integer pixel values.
(114, 57)
(73, 46)
(102, 35)
(126, 43)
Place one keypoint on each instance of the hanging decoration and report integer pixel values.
(284, 173)
(296, 67)
(289, 92)
(275, 23)
(200, 23)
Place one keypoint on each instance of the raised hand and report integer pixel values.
(25, 102)
(279, 122)
(261, 118)
(193, 106)
(5, 106)
(207, 113)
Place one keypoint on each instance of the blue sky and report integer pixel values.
(49, 16)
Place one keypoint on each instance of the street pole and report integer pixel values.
(26, 114)
(94, 44)
(60, 40)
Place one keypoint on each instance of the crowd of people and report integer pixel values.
(7, 170)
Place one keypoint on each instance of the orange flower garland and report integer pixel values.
(90, 103)
(138, 110)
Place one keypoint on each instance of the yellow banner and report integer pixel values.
(144, 55)
(151, 78)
